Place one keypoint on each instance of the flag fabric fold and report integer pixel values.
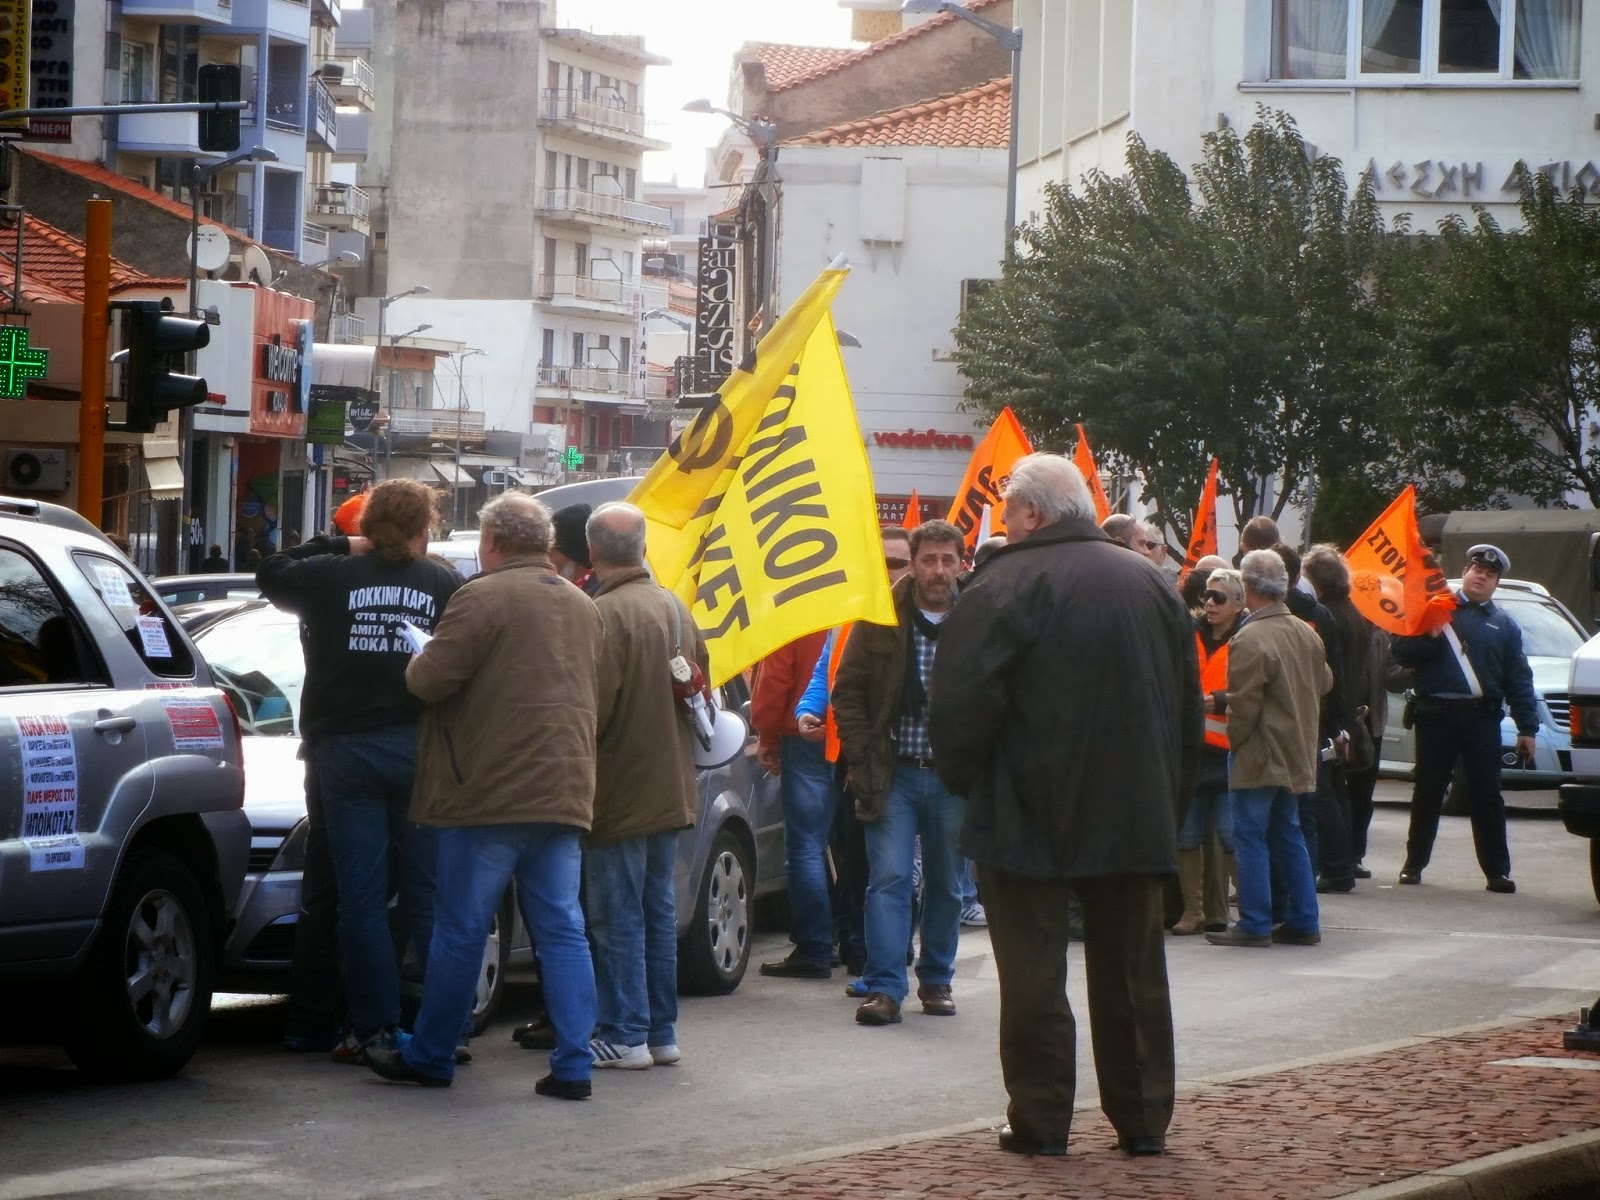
(913, 516)
(1395, 580)
(1083, 459)
(1203, 533)
(987, 473)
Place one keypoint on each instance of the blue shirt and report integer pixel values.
(814, 701)
(1492, 641)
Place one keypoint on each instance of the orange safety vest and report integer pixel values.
(1214, 678)
(830, 746)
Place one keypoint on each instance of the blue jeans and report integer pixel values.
(917, 804)
(1270, 850)
(476, 865)
(969, 883)
(633, 920)
(365, 780)
(809, 799)
(1211, 808)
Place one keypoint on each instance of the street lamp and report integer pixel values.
(344, 256)
(1009, 39)
(764, 134)
(461, 404)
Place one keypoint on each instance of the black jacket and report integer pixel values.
(1066, 708)
(348, 605)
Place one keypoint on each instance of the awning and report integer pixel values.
(341, 365)
(524, 477)
(164, 477)
(448, 472)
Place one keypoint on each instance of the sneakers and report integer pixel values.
(878, 1010)
(564, 1089)
(666, 1056)
(937, 1000)
(463, 1053)
(974, 917)
(353, 1050)
(624, 1058)
(795, 967)
(856, 989)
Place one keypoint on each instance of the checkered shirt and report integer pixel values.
(911, 739)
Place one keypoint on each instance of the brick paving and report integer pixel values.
(1313, 1132)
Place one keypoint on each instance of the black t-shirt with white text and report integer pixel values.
(349, 606)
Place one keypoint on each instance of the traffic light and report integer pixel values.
(219, 130)
(157, 342)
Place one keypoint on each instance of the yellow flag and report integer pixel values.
(772, 535)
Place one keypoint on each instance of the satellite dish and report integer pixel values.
(254, 267)
(209, 248)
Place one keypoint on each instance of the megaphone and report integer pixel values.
(720, 735)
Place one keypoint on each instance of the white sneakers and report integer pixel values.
(633, 1058)
(974, 917)
(665, 1056)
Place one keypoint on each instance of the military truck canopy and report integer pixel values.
(1555, 547)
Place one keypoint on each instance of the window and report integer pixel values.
(138, 73)
(148, 629)
(630, 184)
(550, 178)
(577, 350)
(37, 643)
(1441, 40)
(180, 63)
(971, 288)
(547, 348)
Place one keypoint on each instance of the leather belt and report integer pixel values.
(922, 764)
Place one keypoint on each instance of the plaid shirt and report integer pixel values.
(911, 739)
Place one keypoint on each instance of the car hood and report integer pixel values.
(1550, 674)
(274, 782)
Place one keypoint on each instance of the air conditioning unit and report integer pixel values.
(36, 469)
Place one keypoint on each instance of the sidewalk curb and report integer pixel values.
(1520, 1174)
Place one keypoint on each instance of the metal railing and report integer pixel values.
(588, 288)
(347, 327)
(584, 379)
(343, 199)
(604, 207)
(605, 114)
(320, 106)
(435, 421)
(682, 225)
(355, 71)
(315, 235)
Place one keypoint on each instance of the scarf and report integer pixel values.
(914, 700)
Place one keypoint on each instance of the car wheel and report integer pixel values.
(1594, 867)
(146, 989)
(713, 955)
(492, 972)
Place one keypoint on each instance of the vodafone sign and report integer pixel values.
(924, 439)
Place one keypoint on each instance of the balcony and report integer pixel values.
(355, 33)
(569, 383)
(165, 135)
(322, 123)
(313, 241)
(354, 130)
(603, 119)
(327, 13)
(181, 12)
(351, 80)
(588, 295)
(290, 19)
(576, 206)
(436, 422)
(346, 327)
(343, 206)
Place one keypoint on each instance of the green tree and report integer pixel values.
(1494, 354)
(1239, 322)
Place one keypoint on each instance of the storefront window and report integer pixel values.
(1312, 39)
(1547, 39)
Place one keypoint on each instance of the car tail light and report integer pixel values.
(1583, 721)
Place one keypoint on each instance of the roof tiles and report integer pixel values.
(979, 117)
(838, 62)
(783, 62)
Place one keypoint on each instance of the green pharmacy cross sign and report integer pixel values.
(18, 362)
(572, 458)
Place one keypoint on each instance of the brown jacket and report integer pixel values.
(1277, 675)
(867, 697)
(645, 780)
(510, 683)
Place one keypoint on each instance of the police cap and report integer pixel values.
(1489, 556)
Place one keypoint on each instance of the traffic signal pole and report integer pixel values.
(92, 389)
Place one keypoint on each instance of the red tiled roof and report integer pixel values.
(979, 117)
(878, 47)
(783, 62)
(95, 173)
(52, 265)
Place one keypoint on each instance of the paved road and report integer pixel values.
(779, 1069)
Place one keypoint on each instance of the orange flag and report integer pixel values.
(913, 512)
(1083, 458)
(1203, 534)
(1395, 581)
(987, 474)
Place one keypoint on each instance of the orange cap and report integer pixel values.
(347, 518)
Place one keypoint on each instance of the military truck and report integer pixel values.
(1559, 548)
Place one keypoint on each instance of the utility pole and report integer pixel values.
(92, 390)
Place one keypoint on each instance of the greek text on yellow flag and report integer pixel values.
(787, 541)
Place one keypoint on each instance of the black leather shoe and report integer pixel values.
(1142, 1147)
(1410, 874)
(1503, 884)
(564, 1089)
(1324, 886)
(391, 1064)
(538, 1034)
(1362, 872)
(1013, 1142)
(796, 968)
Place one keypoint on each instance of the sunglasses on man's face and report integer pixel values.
(896, 564)
(1216, 597)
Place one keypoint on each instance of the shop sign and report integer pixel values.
(281, 383)
(51, 69)
(892, 509)
(15, 32)
(363, 412)
(923, 439)
(715, 293)
(325, 422)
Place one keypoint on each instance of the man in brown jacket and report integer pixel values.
(1277, 675)
(646, 791)
(506, 771)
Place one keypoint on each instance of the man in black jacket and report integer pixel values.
(1066, 710)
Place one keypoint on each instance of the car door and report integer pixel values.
(75, 752)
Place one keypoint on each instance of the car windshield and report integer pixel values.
(1546, 632)
(256, 658)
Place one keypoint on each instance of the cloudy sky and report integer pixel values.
(700, 37)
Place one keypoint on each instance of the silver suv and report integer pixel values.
(123, 838)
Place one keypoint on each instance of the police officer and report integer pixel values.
(1466, 673)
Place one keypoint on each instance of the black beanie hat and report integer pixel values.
(572, 538)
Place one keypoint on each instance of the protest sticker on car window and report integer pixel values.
(49, 793)
(153, 636)
(194, 725)
(114, 586)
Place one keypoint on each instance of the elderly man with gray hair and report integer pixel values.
(506, 771)
(1277, 676)
(645, 792)
(1066, 710)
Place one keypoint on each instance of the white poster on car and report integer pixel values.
(49, 793)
